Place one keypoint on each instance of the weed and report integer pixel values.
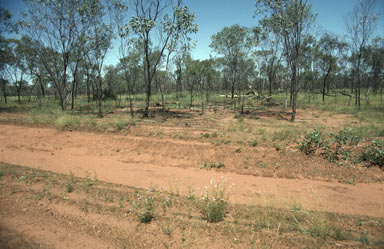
(69, 187)
(254, 143)
(246, 163)
(205, 135)
(84, 205)
(338, 234)
(227, 141)
(277, 146)
(1, 174)
(144, 205)
(167, 229)
(191, 193)
(211, 165)
(121, 201)
(364, 239)
(69, 184)
(214, 201)
(167, 202)
(108, 197)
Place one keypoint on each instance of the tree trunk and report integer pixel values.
(294, 91)
(190, 106)
(99, 96)
(178, 83)
(18, 94)
(3, 82)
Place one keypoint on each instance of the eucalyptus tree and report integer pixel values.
(194, 75)
(98, 38)
(180, 65)
(373, 57)
(54, 24)
(16, 67)
(233, 43)
(6, 26)
(156, 23)
(271, 52)
(291, 20)
(361, 24)
(330, 49)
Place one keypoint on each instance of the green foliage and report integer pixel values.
(69, 187)
(338, 234)
(374, 154)
(214, 201)
(365, 240)
(120, 125)
(212, 165)
(208, 135)
(67, 122)
(254, 143)
(332, 150)
(345, 136)
(144, 205)
(311, 142)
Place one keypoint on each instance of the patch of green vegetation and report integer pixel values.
(254, 143)
(68, 122)
(339, 234)
(373, 154)
(144, 206)
(214, 202)
(364, 239)
(212, 165)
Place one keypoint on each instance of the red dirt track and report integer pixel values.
(173, 165)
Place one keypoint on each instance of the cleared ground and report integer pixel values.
(275, 187)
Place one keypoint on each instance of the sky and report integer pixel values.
(213, 15)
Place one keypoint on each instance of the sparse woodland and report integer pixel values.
(63, 45)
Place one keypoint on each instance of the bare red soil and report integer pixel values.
(174, 165)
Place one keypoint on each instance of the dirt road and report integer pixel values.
(173, 165)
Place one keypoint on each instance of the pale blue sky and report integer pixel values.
(213, 15)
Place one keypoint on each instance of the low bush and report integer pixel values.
(144, 205)
(211, 165)
(214, 201)
(373, 154)
(312, 142)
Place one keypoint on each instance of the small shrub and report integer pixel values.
(211, 165)
(69, 187)
(345, 136)
(227, 141)
(381, 134)
(365, 240)
(374, 154)
(338, 234)
(205, 135)
(311, 142)
(145, 209)
(214, 201)
(254, 143)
